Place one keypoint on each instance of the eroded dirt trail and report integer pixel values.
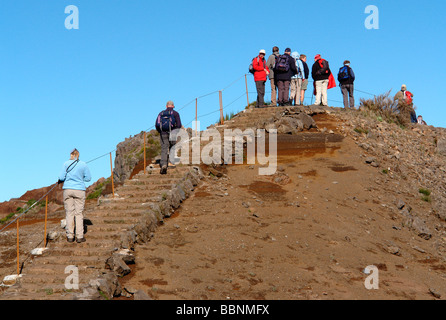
(308, 232)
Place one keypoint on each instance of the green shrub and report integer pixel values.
(426, 192)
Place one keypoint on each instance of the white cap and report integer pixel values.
(262, 51)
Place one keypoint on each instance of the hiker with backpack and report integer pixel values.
(261, 71)
(346, 78)
(296, 81)
(405, 102)
(284, 69)
(321, 75)
(74, 174)
(270, 63)
(167, 121)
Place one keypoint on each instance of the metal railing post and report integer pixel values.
(111, 167)
(46, 218)
(196, 115)
(144, 152)
(18, 253)
(221, 107)
(246, 84)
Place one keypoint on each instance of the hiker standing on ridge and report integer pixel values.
(346, 78)
(296, 80)
(320, 73)
(270, 63)
(405, 100)
(421, 121)
(306, 74)
(284, 69)
(261, 71)
(167, 121)
(74, 174)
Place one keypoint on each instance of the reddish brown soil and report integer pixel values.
(307, 232)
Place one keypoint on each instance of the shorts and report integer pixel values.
(304, 84)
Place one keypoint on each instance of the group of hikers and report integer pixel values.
(289, 76)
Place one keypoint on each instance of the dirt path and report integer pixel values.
(306, 233)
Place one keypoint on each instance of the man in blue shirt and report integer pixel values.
(74, 174)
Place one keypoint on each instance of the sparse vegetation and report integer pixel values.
(361, 130)
(384, 108)
(226, 117)
(98, 190)
(426, 194)
(7, 218)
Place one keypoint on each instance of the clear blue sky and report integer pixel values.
(91, 88)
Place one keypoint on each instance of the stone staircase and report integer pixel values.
(113, 227)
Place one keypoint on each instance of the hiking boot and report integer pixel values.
(80, 240)
(163, 170)
(70, 240)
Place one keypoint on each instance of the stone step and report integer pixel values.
(122, 220)
(78, 251)
(39, 291)
(150, 180)
(58, 270)
(71, 260)
(150, 188)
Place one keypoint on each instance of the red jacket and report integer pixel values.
(259, 64)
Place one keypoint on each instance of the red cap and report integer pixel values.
(317, 57)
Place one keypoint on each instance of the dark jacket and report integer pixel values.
(177, 125)
(320, 73)
(350, 80)
(286, 76)
(306, 69)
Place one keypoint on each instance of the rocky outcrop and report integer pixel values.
(130, 152)
(291, 121)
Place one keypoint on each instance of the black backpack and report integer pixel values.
(282, 64)
(251, 68)
(166, 120)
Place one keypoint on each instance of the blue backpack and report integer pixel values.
(166, 120)
(343, 74)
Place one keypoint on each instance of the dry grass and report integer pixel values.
(386, 109)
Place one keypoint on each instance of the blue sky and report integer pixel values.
(93, 87)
